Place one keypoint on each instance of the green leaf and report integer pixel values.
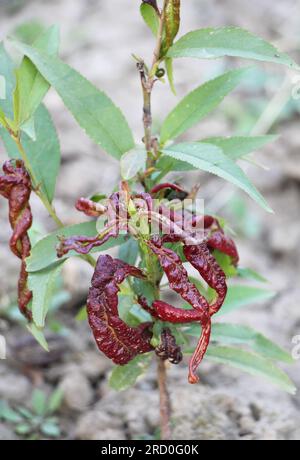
(238, 147)
(38, 335)
(234, 334)
(150, 17)
(242, 296)
(23, 429)
(225, 262)
(199, 103)
(170, 74)
(29, 128)
(42, 284)
(55, 401)
(124, 377)
(228, 41)
(43, 153)
(2, 118)
(38, 402)
(43, 254)
(93, 110)
(248, 273)
(7, 72)
(253, 364)
(129, 251)
(8, 414)
(28, 31)
(31, 86)
(82, 314)
(211, 159)
(50, 429)
(133, 162)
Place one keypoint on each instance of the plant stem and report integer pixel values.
(164, 401)
(147, 87)
(43, 197)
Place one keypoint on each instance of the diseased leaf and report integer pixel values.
(209, 158)
(124, 377)
(133, 162)
(242, 296)
(172, 21)
(93, 109)
(234, 334)
(43, 153)
(150, 17)
(238, 147)
(43, 254)
(228, 41)
(31, 86)
(252, 363)
(199, 103)
(42, 285)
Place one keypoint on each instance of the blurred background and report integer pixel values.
(97, 38)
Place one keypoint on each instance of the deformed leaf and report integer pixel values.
(228, 41)
(199, 103)
(43, 254)
(93, 109)
(172, 20)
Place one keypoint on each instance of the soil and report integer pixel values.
(98, 37)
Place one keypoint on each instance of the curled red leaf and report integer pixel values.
(15, 185)
(118, 341)
(90, 208)
(180, 283)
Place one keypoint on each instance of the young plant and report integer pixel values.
(159, 227)
(38, 420)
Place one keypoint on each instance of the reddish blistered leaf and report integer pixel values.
(118, 341)
(15, 185)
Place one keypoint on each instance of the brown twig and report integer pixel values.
(164, 401)
(147, 81)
